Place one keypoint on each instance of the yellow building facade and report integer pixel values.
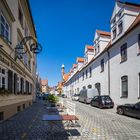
(17, 75)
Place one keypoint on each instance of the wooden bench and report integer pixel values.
(70, 118)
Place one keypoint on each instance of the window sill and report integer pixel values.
(124, 97)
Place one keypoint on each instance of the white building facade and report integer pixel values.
(115, 65)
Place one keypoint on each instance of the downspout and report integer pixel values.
(108, 53)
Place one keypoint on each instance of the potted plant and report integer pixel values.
(52, 100)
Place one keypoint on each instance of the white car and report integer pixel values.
(75, 97)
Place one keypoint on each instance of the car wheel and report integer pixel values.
(120, 111)
(100, 106)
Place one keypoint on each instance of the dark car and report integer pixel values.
(132, 110)
(64, 96)
(102, 101)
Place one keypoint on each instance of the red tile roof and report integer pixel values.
(104, 33)
(133, 5)
(90, 47)
(74, 65)
(80, 59)
(44, 82)
(65, 77)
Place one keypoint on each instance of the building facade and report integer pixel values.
(114, 66)
(17, 74)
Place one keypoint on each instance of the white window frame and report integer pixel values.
(3, 76)
(121, 22)
(9, 36)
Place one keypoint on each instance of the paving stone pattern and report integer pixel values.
(95, 124)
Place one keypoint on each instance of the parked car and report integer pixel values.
(102, 101)
(132, 110)
(75, 97)
(64, 96)
(86, 95)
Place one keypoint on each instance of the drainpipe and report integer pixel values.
(108, 53)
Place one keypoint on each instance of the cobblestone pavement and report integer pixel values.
(95, 124)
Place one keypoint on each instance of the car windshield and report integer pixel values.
(105, 98)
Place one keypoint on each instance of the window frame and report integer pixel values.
(102, 65)
(123, 49)
(114, 29)
(90, 72)
(83, 76)
(6, 22)
(86, 74)
(124, 80)
(120, 31)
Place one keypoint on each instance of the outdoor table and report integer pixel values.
(69, 120)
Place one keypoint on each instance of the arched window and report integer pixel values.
(98, 86)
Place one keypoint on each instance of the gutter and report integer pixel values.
(108, 54)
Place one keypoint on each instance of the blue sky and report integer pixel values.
(64, 27)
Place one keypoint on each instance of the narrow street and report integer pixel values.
(105, 124)
(95, 124)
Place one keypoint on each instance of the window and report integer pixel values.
(98, 49)
(139, 43)
(18, 109)
(18, 84)
(20, 16)
(78, 79)
(86, 74)
(90, 72)
(23, 106)
(124, 52)
(4, 28)
(3, 78)
(120, 14)
(102, 65)
(114, 33)
(120, 27)
(124, 84)
(1, 116)
(114, 21)
(83, 75)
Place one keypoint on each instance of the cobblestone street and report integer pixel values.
(95, 124)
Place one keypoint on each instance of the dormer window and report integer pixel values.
(98, 49)
(114, 32)
(120, 27)
(120, 14)
(114, 21)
